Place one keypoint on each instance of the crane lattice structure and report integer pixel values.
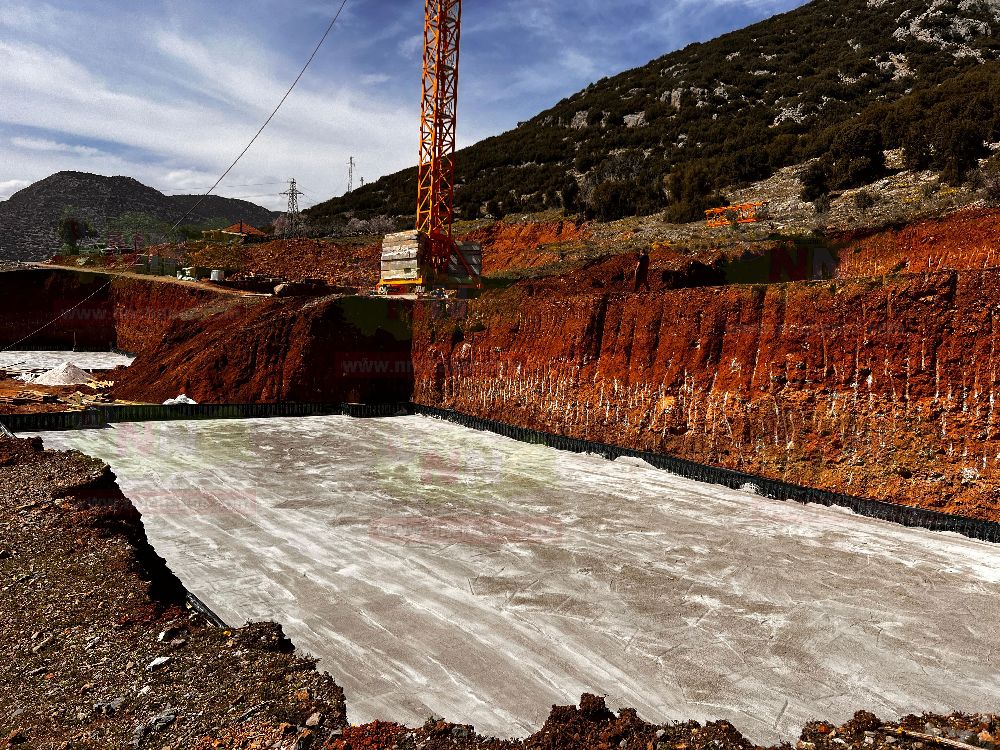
(294, 217)
(428, 258)
(438, 126)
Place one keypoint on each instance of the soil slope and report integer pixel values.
(99, 648)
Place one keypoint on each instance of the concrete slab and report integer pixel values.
(438, 569)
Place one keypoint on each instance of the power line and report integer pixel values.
(57, 318)
(191, 210)
(251, 184)
(271, 117)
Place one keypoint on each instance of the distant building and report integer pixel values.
(236, 233)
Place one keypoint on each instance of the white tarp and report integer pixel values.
(182, 399)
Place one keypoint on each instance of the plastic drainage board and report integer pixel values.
(988, 531)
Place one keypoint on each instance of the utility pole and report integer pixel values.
(294, 219)
(350, 175)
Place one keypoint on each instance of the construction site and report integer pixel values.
(541, 482)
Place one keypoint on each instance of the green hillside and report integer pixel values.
(838, 79)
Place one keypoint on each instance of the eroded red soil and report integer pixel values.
(964, 240)
(878, 388)
(508, 246)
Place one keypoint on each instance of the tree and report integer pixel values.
(991, 179)
(916, 148)
(570, 196)
(959, 144)
(815, 180)
(137, 229)
(690, 193)
(856, 155)
(614, 199)
(71, 229)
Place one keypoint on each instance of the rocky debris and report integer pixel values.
(592, 726)
(87, 605)
(158, 662)
(352, 264)
(16, 399)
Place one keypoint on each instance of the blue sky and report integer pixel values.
(170, 91)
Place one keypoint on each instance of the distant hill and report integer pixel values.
(28, 219)
(842, 79)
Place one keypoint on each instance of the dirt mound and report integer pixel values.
(338, 263)
(964, 240)
(65, 374)
(509, 246)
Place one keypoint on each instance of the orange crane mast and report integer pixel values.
(430, 257)
(438, 125)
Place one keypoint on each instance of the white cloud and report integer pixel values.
(9, 187)
(315, 132)
(412, 46)
(42, 144)
(374, 79)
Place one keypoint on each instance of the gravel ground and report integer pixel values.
(97, 649)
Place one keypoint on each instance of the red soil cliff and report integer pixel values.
(877, 388)
(326, 350)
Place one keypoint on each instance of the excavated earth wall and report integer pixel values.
(61, 309)
(882, 388)
(216, 347)
(325, 350)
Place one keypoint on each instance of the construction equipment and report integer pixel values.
(741, 213)
(428, 257)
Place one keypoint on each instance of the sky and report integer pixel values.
(170, 91)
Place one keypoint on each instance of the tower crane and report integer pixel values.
(429, 257)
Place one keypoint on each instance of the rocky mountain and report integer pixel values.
(29, 218)
(843, 79)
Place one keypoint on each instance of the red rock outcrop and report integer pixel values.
(882, 388)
